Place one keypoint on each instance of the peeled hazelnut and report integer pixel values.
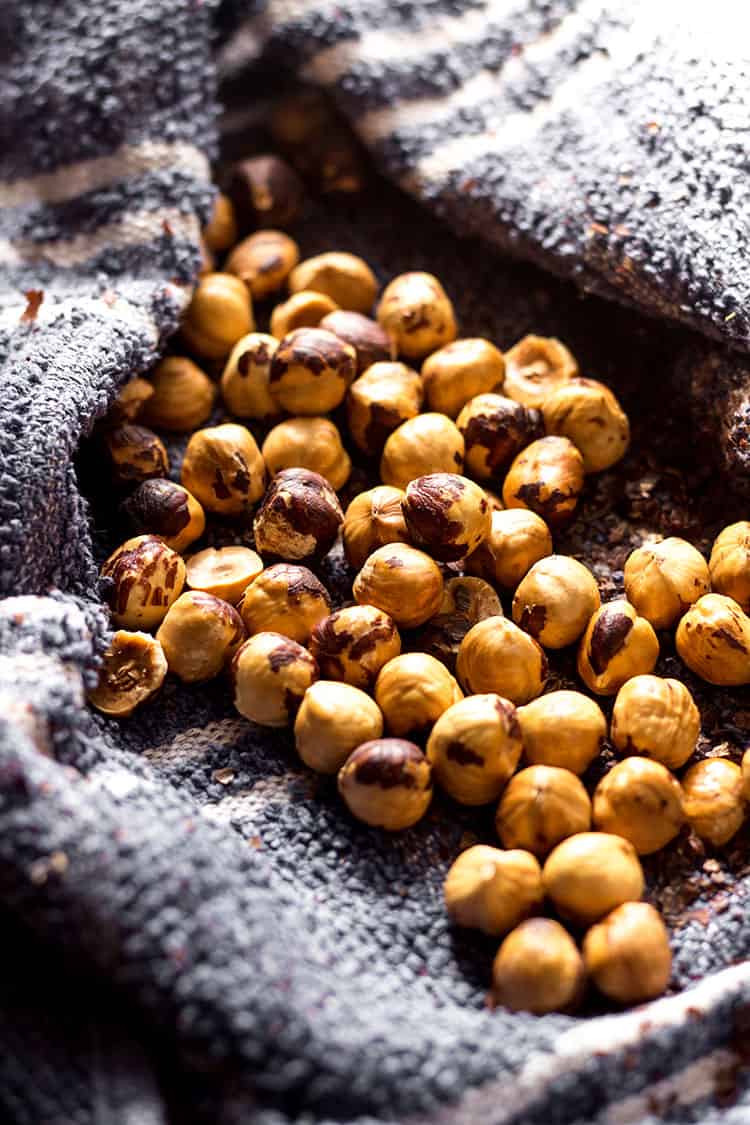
(729, 564)
(245, 379)
(589, 414)
(617, 645)
(345, 278)
(361, 333)
(136, 454)
(263, 261)
(145, 577)
(332, 721)
(562, 728)
(373, 519)
(354, 643)
(541, 806)
(417, 314)
(517, 539)
(642, 801)
(386, 783)
(225, 572)
(546, 477)
(224, 469)
(130, 401)
(459, 371)
(300, 516)
(381, 400)
(491, 890)
(199, 634)
(285, 599)
(590, 874)
(495, 429)
(663, 579)
(497, 656)
(713, 638)
(402, 581)
(265, 191)
(221, 230)
(429, 443)
(166, 509)
(538, 969)
(713, 799)
(627, 954)
(271, 674)
(218, 315)
(474, 748)
(308, 443)
(472, 598)
(183, 396)
(555, 601)
(133, 670)
(447, 515)
(536, 366)
(413, 690)
(301, 310)
(311, 371)
(656, 718)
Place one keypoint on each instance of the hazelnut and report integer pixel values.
(491, 890)
(472, 598)
(713, 638)
(218, 315)
(354, 643)
(536, 366)
(381, 400)
(300, 516)
(311, 371)
(729, 564)
(447, 515)
(563, 728)
(429, 443)
(144, 576)
(713, 799)
(225, 572)
(497, 656)
(386, 783)
(541, 806)
(538, 969)
(224, 469)
(555, 601)
(199, 634)
(263, 261)
(308, 443)
(587, 413)
(518, 538)
(663, 579)
(546, 477)
(245, 379)
(617, 645)
(642, 801)
(133, 670)
(164, 508)
(365, 335)
(301, 310)
(130, 401)
(745, 767)
(459, 371)
(271, 674)
(373, 519)
(183, 396)
(656, 718)
(402, 581)
(135, 454)
(265, 191)
(332, 721)
(590, 874)
(220, 232)
(417, 314)
(345, 278)
(285, 599)
(495, 429)
(413, 690)
(627, 954)
(474, 748)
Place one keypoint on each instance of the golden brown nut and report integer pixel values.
(310, 371)
(402, 581)
(373, 519)
(429, 443)
(617, 645)
(447, 515)
(491, 890)
(133, 670)
(745, 767)
(555, 601)
(144, 576)
(589, 414)
(497, 656)
(224, 469)
(729, 564)
(245, 379)
(517, 539)
(183, 396)
(218, 315)
(563, 728)
(642, 801)
(459, 371)
(285, 599)
(135, 454)
(263, 261)
(472, 598)
(164, 508)
(300, 516)
(365, 335)
(130, 401)
(332, 721)
(265, 192)
(538, 969)
(225, 572)
(541, 806)
(199, 634)
(590, 874)
(546, 477)
(656, 718)
(536, 366)
(627, 954)
(345, 278)
(713, 638)
(713, 799)
(495, 429)
(387, 783)
(301, 310)
(417, 314)
(308, 443)
(663, 579)
(413, 690)
(381, 400)
(271, 674)
(354, 643)
(220, 231)
(474, 748)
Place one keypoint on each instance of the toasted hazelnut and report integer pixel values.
(402, 581)
(713, 638)
(447, 515)
(627, 954)
(536, 366)
(538, 969)
(491, 890)
(225, 572)
(133, 669)
(354, 643)
(199, 634)
(417, 314)
(144, 577)
(311, 371)
(345, 278)
(546, 477)
(541, 806)
(373, 519)
(555, 601)
(617, 645)
(495, 429)
(365, 335)
(381, 400)
(299, 518)
(220, 231)
(135, 454)
(245, 379)
(729, 564)
(265, 191)
(745, 767)
(271, 674)
(386, 783)
(713, 799)
(429, 443)
(587, 413)
(459, 371)
(285, 599)
(642, 801)
(517, 539)
(474, 748)
(164, 508)
(218, 315)
(497, 656)
(562, 728)
(656, 718)
(301, 310)
(663, 579)
(308, 443)
(413, 690)
(472, 598)
(263, 261)
(590, 874)
(130, 401)
(183, 396)
(224, 469)
(332, 721)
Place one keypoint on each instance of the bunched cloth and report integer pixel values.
(194, 930)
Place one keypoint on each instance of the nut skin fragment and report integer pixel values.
(497, 656)
(588, 875)
(546, 477)
(219, 314)
(617, 645)
(271, 674)
(541, 806)
(265, 192)
(663, 579)
(199, 634)
(136, 454)
(299, 518)
(474, 747)
(538, 969)
(381, 400)
(627, 954)
(518, 538)
(496, 429)
(491, 890)
(345, 278)
(460, 371)
(333, 720)
(535, 367)
(413, 690)
(386, 783)
(263, 261)
(183, 396)
(656, 718)
(429, 443)
(642, 801)
(447, 515)
(308, 443)
(417, 314)
(403, 582)
(245, 379)
(144, 576)
(301, 310)
(562, 728)
(225, 572)
(729, 564)
(373, 519)
(220, 232)
(713, 799)
(365, 335)
(166, 509)
(555, 601)
(713, 639)
(586, 412)
(311, 371)
(224, 469)
(353, 644)
(285, 599)
(133, 671)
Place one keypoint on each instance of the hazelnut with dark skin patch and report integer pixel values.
(225, 572)
(413, 690)
(642, 801)
(299, 518)
(345, 278)
(589, 414)
(590, 874)
(219, 314)
(199, 634)
(373, 519)
(562, 728)
(354, 643)
(183, 396)
(362, 333)
(245, 379)
(447, 515)
(387, 783)
(381, 400)
(224, 469)
(311, 371)
(656, 718)
(429, 443)
(555, 601)
(474, 748)
(627, 954)
(143, 577)
(308, 443)
(518, 538)
(729, 564)
(538, 969)
(663, 579)
(617, 645)
(263, 261)
(546, 477)
(459, 371)
(133, 670)
(164, 508)
(135, 453)
(497, 656)
(490, 890)
(220, 232)
(333, 720)
(417, 314)
(495, 429)
(265, 192)
(402, 581)
(301, 310)
(285, 599)
(271, 674)
(535, 367)
(541, 806)
(713, 639)
(714, 799)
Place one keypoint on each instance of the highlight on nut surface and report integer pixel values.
(714, 799)
(417, 314)
(546, 477)
(245, 379)
(263, 261)
(587, 412)
(219, 314)
(373, 519)
(310, 371)
(225, 572)
(379, 401)
(729, 564)
(345, 278)
(627, 954)
(590, 874)
(535, 367)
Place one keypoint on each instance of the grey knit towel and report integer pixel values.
(194, 930)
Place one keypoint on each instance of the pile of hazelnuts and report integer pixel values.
(420, 678)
